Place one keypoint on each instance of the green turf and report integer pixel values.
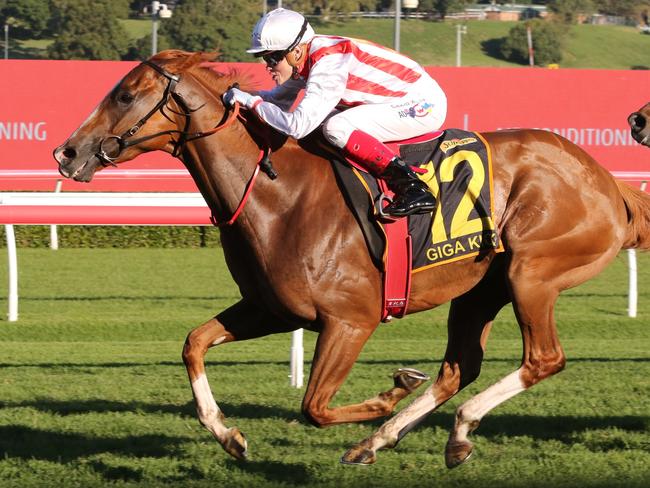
(93, 391)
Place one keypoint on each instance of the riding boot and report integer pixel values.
(412, 195)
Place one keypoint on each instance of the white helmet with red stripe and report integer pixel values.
(280, 30)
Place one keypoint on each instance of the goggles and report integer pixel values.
(272, 58)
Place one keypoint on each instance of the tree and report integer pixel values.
(567, 11)
(624, 8)
(442, 7)
(29, 17)
(209, 25)
(86, 29)
(547, 42)
(325, 8)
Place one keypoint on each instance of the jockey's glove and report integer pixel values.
(234, 95)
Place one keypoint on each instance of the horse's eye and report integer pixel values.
(125, 98)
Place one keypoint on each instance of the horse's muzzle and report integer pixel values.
(71, 165)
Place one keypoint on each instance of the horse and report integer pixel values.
(300, 260)
(640, 125)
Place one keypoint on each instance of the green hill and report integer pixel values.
(434, 43)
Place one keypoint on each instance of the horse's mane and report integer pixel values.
(201, 66)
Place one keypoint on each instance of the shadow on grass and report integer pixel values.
(80, 407)
(28, 443)
(126, 473)
(275, 471)
(116, 473)
(492, 48)
(560, 428)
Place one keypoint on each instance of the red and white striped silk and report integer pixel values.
(375, 74)
(343, 72)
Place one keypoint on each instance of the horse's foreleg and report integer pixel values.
(542, 357)
(470, 320)
(337, 349)
(239, 322)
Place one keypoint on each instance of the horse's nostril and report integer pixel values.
(70, 153)
(637, 122)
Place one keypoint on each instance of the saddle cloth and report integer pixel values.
(457, 167)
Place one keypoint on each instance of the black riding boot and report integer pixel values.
(412, 195)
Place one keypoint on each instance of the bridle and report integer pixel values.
(183, 136)
(264, 161)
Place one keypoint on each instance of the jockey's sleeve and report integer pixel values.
(283, 95)
(325, 88)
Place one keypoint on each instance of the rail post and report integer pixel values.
(12, 315)
(297, 355)
(633, 292)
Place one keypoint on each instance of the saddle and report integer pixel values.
(457, 167)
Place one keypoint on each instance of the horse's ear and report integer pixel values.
(170, 54)
(211, 56)
(197, 58)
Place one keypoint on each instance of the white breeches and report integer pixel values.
(404, 118)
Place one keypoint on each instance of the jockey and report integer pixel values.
(361, 93)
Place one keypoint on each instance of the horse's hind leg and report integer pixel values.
(239, 322)
(470, 320)
(542, 357)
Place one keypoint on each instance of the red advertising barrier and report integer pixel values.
(42, 102)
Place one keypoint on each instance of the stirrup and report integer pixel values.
(383, 198)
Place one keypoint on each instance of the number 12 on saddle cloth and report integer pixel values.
(459, 173)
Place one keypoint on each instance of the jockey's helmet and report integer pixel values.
(280, 30)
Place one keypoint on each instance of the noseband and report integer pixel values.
(183, 136)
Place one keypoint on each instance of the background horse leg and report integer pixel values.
(239, 322)
(542, 357)
(337, 349)
(469, 323)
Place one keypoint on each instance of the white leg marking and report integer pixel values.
(473, 410)
(219, 341)
(208, 411)
(389, 433)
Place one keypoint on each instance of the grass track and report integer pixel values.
(93, 391)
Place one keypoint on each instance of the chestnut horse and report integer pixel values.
(640, 125)
(301, 261)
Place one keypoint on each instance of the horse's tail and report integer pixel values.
(637, 204)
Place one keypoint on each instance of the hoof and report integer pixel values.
(359, 456)
(235, 444)
(409, 378)
(456, 453)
